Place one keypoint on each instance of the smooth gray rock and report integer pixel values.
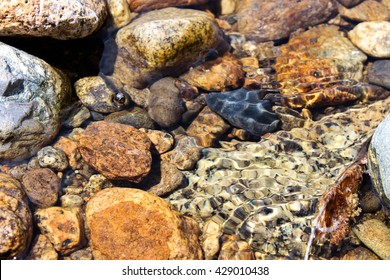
(379, 73)
(379, 160)
(32, 94)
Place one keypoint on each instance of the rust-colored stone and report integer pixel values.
(70, 149)
(118, 151)
(129, 223)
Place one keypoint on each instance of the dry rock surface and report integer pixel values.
(133, 224)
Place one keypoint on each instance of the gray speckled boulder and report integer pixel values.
(65, 19)
(379, 160)
(161, 43)
(244, 109)
(31, 96)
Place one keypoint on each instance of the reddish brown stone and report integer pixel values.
(70, 149)
(142, 5)
(221, 74)
(42, 186)
(129, 223)
(207, 128)
(265, 20)
(63, 227)
(118, 151)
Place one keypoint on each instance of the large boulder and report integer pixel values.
(66, 19)
(32, 94)
(129, 223)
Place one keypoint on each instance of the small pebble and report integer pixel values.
(52, 158)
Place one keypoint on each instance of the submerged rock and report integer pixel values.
(379, 160)
(130, 224)
(15, 219)
(161, 43)
(266, 192)
(244, 109)
(32, 94)
(66, 19)
(265, 20)
(144, 5)
(379, 73)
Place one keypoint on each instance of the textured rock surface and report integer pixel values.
(63, 227)
(31, 96)
(62, 20)
(368, 10)
(119, 11)
(70, 149)
(221, 74)
(163, 42)
(207, 127)
(52, 158)
(359, 253)
(165, 105)
(162, 141)
(379, 73)
(132, 224)
(349, 3)
(266, 192)
(376, 236)
(372, 37)
(136, 117)
(15, 219)
(42, 186)
(142, 5)
(118, 151)
(96, 95)
(234, 249)
(244, 109)
(42, 249)
(379, 160)
(265, 20)
(185, 154)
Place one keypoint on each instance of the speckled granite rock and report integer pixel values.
(244, 109)
(133, 224)
(372, 38)
(163, 42)
(41, 186)
(368, 10)
(63, 227)
(42, 249)
(96, 95)
(379, 160)
(118, 151)
(52, 158)
(70, 149)
(207, 127)
(376, 236)
(62, 20)
(165, 105)
(119, 11)
(359, 253)
(379, 73)
(267, 192)
(144, 5)
(31, 96)
(136, 117)
(265, 20)
(15, 219)
(223, 73)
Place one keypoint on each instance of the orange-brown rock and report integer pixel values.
(118, 151)
(70, 149)
(143, 5)
(208, 127)
(185, 154)
(162, 141)
(235, 249)
(129, 223)
(42, 249)
(223, 73)
(42, 186)
(359, 253)
(63, 227)
(15, 219)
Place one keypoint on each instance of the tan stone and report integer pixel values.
(185, 154)
(70, 149)
(15, 219)
(211, 234)
(376, 236)
(368, 10)
(207, 128)
(63, 227)
(359, 253)
(221, 74)
(133, 224)
(66, 19)
(119, 11)
(118, 151)
(162, 141)
(235, 249)
(142, 5)
(42, 249)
